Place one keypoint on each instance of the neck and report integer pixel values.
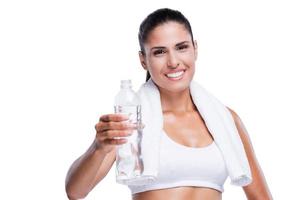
(179, 102)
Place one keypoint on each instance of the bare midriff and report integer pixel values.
(179, 193)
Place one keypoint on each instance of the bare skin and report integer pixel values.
(169, 48)
(258, 189)
(184, 125)
(190, 132)
(90, 168)
(191, 122)
(164, 54)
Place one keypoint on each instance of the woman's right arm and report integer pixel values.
(95, 163)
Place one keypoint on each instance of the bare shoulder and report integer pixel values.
(258, 189)
(242, 131)
(236, 118)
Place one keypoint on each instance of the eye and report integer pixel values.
(159, 52)
(183, 47)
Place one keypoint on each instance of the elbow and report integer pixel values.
(74, 197)
(74, 194)
(73, 190)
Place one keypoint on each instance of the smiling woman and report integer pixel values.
(169, 55)
(191, 159)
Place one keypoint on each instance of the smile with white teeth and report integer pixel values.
(175, 75)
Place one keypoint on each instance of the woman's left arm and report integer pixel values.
(258, 189)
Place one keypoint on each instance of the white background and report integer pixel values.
(61, 62)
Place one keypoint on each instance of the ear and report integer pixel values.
(143, 60)
(196, 49)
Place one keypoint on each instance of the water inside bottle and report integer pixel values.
(129, 164)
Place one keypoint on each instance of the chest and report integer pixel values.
(188, 129)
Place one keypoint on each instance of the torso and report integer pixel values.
(187, 129)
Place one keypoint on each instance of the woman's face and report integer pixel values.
(170, 57)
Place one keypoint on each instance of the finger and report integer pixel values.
(103, 126)
(117, 133)
(115, 141)
(113, 117)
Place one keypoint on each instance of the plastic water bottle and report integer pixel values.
(129, 162)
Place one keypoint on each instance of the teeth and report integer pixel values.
(175, 75)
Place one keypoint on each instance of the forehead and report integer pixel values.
(167, 34)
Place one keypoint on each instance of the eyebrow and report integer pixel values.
(162, 47)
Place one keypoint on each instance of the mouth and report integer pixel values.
(175, 75)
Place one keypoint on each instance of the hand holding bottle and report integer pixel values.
(111, 130)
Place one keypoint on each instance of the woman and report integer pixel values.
(168, 54)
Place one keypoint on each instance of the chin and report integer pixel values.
(175, 87)
(179, 89)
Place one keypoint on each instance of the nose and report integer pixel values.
(173, 61)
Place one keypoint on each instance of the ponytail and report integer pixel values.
(148, 76)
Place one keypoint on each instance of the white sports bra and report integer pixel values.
(180, 165)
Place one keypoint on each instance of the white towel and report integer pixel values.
(218, 120)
